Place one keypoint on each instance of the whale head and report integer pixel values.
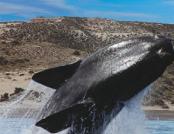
(129, 67)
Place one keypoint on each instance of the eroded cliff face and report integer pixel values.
(39, 45)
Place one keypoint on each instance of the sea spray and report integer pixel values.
(131, 119)
(24, 111)
(37, 130)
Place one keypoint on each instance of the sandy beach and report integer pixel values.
(11, 80)
(158, 113)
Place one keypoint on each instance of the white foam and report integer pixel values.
(24, 108)
(131, 119)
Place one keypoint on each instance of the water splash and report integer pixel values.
(23, 112)
(131, 118)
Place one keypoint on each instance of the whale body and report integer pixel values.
(91, 92)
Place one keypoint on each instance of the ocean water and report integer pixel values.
(12, 126)
(130, 120)
(160, 127)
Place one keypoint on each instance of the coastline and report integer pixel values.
(158, 113)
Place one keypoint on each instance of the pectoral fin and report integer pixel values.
(55, 77)
(63, 119)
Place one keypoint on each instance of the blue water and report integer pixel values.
(160, 127)
(12, 126)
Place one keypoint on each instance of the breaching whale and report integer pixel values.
(90, 92)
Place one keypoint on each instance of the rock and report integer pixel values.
(7, 73)
(31, 72)
(3, 61)
(76, 52)
(165, 107)
(4, 97)
(18, 90)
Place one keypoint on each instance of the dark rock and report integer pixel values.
(18, 90)
(4, 97)
(76, 52)
(7, 73)
(3, 61)
(165, 107)
(31, 72)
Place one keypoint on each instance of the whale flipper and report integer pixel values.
(63, 119)
(55, 77)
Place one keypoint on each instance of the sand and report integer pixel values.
(158, 113)
(11, 80)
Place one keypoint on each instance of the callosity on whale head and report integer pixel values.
(101, 82)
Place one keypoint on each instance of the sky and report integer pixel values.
(124, 10)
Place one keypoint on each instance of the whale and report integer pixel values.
(89, 93)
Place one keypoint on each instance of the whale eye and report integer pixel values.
(160, 51)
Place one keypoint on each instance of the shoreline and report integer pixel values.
(159, 115)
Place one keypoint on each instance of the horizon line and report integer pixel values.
(51, 17)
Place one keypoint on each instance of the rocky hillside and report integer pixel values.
(52, 42)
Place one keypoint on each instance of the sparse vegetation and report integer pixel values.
(31, 72)
(18, 90)
(4, 97)
(3, 61)
(77, 53)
